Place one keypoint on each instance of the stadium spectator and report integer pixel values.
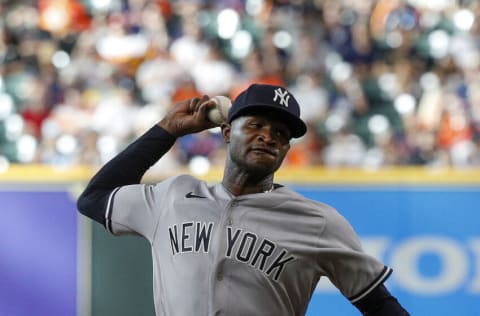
(382, 83)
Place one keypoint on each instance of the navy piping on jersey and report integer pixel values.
(379, 280)
(108, 211)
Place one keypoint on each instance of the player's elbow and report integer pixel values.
(92, 205)
(83, 204)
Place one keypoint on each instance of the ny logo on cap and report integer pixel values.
(283, 97)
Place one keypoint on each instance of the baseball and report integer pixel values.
(219, 113)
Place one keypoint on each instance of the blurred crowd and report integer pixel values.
(381, 83)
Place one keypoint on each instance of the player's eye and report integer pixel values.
(282, 135)
(255, 125)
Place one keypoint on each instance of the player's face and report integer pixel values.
(258, 143)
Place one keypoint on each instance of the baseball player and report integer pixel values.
(247, 245)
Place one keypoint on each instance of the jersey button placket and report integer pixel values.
(229, 220)
(218, 274)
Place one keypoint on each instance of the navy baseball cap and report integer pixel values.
(264, 98)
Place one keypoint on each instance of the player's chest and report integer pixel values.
(236, 225)
(267, 240)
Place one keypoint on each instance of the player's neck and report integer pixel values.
(240, 184)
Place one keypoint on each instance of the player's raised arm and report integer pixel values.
(130, 165)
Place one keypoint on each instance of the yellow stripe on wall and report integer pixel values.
(403, 175)
(313, 175)
(398, 175)
(44, 173)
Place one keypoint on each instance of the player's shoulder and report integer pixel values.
(180, 182)
(301, 200)
(334, 225)
(185, 179)
(296, 196)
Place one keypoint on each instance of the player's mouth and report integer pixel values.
(264, 150)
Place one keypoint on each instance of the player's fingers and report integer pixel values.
(204, 105)
(192, 104)
(204, 98)
(196, 103)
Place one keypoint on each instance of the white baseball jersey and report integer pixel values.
(255, 254)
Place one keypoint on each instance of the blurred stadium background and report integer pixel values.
(389, 88)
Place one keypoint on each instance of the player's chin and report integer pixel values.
(263, 166)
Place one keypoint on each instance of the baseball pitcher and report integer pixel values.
(245, 246)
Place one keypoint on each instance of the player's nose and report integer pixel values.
(266, 134)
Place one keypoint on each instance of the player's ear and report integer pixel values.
(226, 128)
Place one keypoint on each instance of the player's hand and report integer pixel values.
(187, 117)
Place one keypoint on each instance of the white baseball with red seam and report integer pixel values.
(219, 113)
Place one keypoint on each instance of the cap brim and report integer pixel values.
(297, 127)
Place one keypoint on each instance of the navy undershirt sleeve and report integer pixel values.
(128, 167)
(380, 302)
